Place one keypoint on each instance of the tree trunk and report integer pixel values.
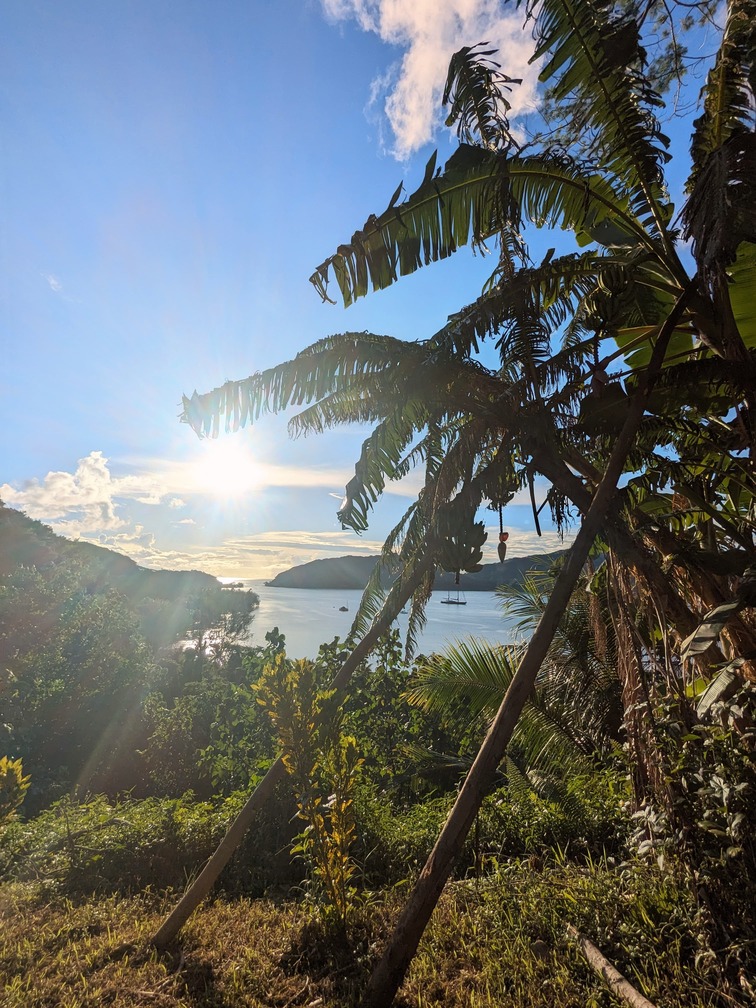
(390, 971)
(205, 881)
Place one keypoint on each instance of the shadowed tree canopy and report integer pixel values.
(573, 333)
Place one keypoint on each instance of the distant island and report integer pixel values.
(354, 571)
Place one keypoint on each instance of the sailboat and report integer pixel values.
(453, 597)
(452, 600)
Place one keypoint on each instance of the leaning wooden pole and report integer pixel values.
(618, 984)
(263, 793)
(390, 971)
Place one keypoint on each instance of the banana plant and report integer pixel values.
(583, 339)
(609, 300)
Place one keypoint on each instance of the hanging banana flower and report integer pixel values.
(502, 548)
(503, 536)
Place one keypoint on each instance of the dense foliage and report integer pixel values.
(90, 649)
(620, 370)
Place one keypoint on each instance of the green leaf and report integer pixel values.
(742, 274)
(709, 629)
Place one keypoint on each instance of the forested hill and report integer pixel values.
(354, 571)
(167, 605)
(28, 543)
(87, 656)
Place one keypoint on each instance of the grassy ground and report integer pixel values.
(497, 942)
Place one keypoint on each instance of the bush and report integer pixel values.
(391, 844)
(128, 845)
(13, 788)
(588, 821)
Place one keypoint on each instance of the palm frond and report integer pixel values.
(470, 670)
(478, 675)
(463, 203)
(328, 367)
(432, 396)
(555, 190)
(721, 211)
(415, 556)
(728, 95)
(478, 194)
(475, 90)
(380, 457)
(720, 214)
(417, 618)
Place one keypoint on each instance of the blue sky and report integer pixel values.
(171, 174)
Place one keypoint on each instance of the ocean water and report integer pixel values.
(309, 617)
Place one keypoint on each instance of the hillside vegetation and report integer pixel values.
(135, 780)
(89, 650)
(467, 828)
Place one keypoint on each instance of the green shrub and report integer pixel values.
(588, 818)
(324, 766)
(706, 830)
(128, 845)
(588, 821)
(391, 843)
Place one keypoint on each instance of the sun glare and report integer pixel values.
(226, 468)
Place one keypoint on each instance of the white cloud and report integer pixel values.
(53, 282)
(255, 556)
(338, 542)
(429, 33)
(87, 499)
(84, 496)
(93, 504)
(89, 503)
(181, 480)
(525, 542)
(411, 485)
(268, 553)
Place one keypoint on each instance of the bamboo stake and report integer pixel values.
(391, 969)
(618, 984)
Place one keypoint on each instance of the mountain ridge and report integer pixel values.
(353, 572)
(24, 541)
(167, 603)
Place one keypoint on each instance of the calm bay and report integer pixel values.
(308, 617)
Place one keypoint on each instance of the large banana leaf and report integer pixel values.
(475, 90)
(720, 215)
(728, 110)
(742, 291)
(466, 202)
(594, 68)
(344, 369)
(478, 194)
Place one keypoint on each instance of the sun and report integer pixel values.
(225, 468)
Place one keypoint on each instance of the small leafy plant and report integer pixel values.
(324, 765)
(13, 787)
